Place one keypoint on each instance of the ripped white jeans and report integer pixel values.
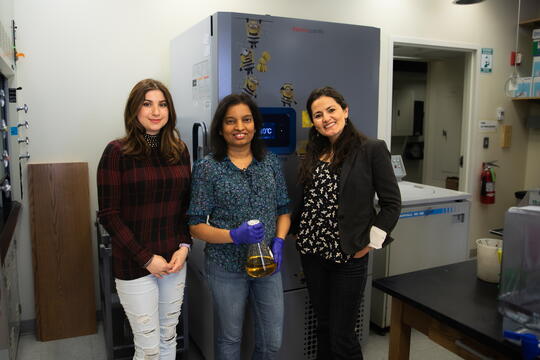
(152, 306)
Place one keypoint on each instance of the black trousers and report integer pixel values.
(336, 292)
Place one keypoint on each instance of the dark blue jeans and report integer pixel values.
(336, 291)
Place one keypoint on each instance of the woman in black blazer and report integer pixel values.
(335, 219)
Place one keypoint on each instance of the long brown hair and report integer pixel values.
(319, 145)
(134, 144)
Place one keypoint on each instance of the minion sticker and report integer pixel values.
(262, 63)
(287, 94)
(253, 30)
(246, 61)
(250, 86)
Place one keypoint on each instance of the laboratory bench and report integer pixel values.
(451, 306)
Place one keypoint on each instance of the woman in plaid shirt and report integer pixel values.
(143, 191)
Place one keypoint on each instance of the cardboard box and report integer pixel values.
(506, 136)
(524, 85)
(536, 87)
(452, 182)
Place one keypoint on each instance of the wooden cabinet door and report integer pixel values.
(62, 250)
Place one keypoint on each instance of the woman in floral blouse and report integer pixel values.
(239, 181)
(335, 219)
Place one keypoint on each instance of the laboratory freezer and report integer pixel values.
(432, 231)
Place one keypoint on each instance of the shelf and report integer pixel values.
(537, 98)
(530, 22)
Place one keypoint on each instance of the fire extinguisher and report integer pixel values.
(487, 178)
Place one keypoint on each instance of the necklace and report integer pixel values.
(152, 140)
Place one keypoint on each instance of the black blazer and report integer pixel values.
(366, 171)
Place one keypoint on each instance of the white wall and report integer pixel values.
(444, 103)
(84, 56)
(416, 82)
(532, 173)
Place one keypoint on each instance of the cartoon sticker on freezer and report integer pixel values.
(262, 63)
(253, 30)
(287, 94)
(246, 61)
(250, 86)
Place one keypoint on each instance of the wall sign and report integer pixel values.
(486, 60)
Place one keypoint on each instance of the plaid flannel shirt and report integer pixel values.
(142, 204)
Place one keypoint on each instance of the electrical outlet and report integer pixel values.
(500, 113)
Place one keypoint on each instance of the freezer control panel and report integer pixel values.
(279, 129)
(399, 167)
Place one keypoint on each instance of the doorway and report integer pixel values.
(432, 92)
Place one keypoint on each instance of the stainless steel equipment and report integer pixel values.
(277, 61)
(519, 294)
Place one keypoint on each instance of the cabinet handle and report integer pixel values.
(25, 124)
(24, 107)
(26, 140)
(6, 187)
(5, 158)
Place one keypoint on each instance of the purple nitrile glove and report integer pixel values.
(247, 234)
(277, 249)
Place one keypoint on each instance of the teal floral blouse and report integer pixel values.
(226, 196)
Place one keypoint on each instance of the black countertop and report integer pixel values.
(454, 295)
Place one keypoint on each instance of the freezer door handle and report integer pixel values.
(199, 151)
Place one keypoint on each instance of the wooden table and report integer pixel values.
(450, 306)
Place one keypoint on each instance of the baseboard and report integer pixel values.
(29, 326)
(379, 330)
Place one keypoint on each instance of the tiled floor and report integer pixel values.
(92, 347)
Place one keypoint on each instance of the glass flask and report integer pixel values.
(260, 261)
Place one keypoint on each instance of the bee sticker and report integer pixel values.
(262, 63)
(287, 94)
(250, 86)
(246, 61)
(253, 30)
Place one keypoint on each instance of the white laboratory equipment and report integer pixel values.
(432, 231)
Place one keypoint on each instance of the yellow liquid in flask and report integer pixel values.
(257, 266)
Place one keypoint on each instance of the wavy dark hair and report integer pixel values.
(319, 145)
(217, 141)
(134, 144)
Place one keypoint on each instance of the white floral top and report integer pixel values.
(319, 233)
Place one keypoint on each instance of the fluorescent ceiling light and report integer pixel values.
(466, 2)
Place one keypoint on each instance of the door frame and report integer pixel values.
(470, 94)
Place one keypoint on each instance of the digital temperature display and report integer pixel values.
(268, 131)
(278, 130)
